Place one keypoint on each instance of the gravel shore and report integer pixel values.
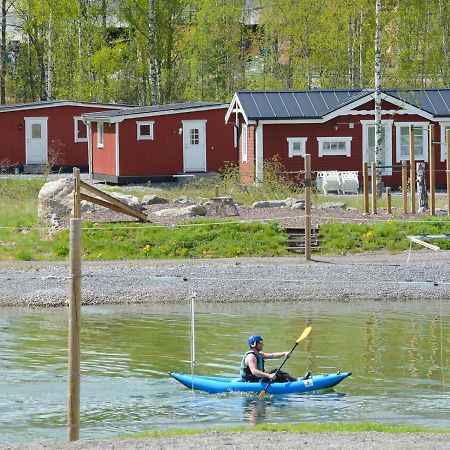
(416, 277)
(257, 440)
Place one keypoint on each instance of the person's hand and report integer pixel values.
(272, 376)
(287, 354)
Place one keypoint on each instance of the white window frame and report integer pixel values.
(398, 126)
(443, 144)
(76, 121)
(388, 142)
(296, 140)
(346, 152)
(100, 142)
(244, 143)
(144, 137)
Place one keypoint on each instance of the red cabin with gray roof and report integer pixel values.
(160, 142)
(337, 128)
(34, 134)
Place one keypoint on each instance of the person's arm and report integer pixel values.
(276, 355)
(251, 362)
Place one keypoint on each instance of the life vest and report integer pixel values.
(246, 373)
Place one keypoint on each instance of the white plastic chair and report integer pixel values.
(349, 182)
(331, 181)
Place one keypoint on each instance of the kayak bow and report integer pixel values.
(215, 385)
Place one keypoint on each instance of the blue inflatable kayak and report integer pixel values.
(216, 385)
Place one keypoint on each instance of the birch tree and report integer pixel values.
(378, 124)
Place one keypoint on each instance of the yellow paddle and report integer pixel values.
(305, 333)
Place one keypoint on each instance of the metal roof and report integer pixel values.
(315, 104)
(156, 109)
(55, 103)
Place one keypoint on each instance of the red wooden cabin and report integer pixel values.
(337, 128)
(160, 142)
(36, 133)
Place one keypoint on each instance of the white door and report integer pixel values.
(194, 145)
(36, 143)
(369, 144)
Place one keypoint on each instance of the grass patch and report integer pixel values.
(336, 237)
(359, 427)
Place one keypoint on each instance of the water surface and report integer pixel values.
(399, 357)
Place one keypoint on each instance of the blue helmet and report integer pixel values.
(253, 340)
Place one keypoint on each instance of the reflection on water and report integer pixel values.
(399, 360)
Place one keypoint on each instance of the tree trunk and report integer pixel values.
(445, 40)
(361, 52)
(151, 46)
(49, 57)
(378, 123)
(422, 188)
(3, 56)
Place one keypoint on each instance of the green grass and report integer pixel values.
(299, 428)
(336, 237)
(22, 239)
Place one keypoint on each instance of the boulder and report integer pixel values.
(153, 200)
(299, 205)
(55, 199)
(331, 205)
(269, 204)
(129, 200)
(189, 211)
(182, 200)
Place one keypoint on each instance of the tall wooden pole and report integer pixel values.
(76, 210)
(412, 170)
(405, 186)
(431, 160)
(374, 187)
(447, 139)
(389, 200)
(366, 188)
(307, 207)
(73, 413)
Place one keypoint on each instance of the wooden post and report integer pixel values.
(412, 170)
(374, 187)
(308, 207)
(447, 139)
(73, 410)
(389, 200)
(432, 167)
(217, 194)
(76, 210)
(366, 188)
(405, 186)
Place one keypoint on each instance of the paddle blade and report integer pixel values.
(305, 333)
(262, 394)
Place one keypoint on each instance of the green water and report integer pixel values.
(399, 357)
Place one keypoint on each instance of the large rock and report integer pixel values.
(129, 200)
(332, 205)
(56, 199)
(269, 204)
(189, 211)
(153, 200)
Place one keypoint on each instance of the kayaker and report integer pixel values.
(252, 364)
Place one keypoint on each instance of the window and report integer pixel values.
(244, 144)
(100, 134)
(330, 146)
(445, 126)
(144, 131)
(368, 135)
(80, 130)
(297, 146)
(194, 136)
(420, 141)
(36, 130)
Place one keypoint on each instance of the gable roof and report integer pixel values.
(57, 103)
(316, 104)
(155, 110)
